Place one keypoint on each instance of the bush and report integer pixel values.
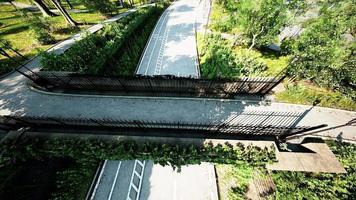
(105, 7)
(287, 46)
(323, 55)
(41, 29)
(87, 153)
(219, 60)
(300, 94)
(301, 185)
(100, 53)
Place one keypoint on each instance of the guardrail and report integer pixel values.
(226, 129)
(166, 85)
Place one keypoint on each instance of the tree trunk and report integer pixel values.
(44, 9)
(69, 20)
(253, 42)
(69, 4)
(130, 2)
(254, 36)
(121, 3)
(13, 5)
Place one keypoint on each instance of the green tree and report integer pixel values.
(46, 12)
(64, 13)
(260, 20)
(322, 53)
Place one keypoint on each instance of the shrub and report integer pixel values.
(100, 53)
(40, 29)
(301, 185)
(221, 61)
(287, 46)
(105, 7)
(300, 94)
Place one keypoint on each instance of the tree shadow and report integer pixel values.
(14, 30)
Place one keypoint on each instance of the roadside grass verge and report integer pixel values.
(307, 94)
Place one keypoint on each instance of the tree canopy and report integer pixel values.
(323, 53)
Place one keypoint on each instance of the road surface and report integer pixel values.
(118, 180)
(172, 46)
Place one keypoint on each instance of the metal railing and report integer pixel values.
(165, 85)
(163, 128)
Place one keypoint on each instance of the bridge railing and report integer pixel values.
(165, 85)
(162, 128)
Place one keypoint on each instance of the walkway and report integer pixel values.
(34, 8)
(172, 45)
(319, 159)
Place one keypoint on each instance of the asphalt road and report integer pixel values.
(172, 46)
(117, 178)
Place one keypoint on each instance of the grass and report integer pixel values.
(233, 180)
(306, 93)
(15, 29)
(275, 63)
(303, 185)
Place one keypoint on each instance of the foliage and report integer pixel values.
(233, 180)
(219, 60)
(95, 52)
(323, 55)
(92, 150)
(259, 21)
(287, 46)
(73, 182)
(300, 185)
(300, 93)
(87, 153)
(105, 7)
(40, 28)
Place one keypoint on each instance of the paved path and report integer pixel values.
(320, 159)
(172, 45)
(118, 180)
(34, 8)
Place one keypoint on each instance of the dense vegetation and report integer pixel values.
(323, 53)
(299, 185)
(219, 60)
(234, 180)
(113, 50)
(30, 31)
(85, 155)
(304, 93)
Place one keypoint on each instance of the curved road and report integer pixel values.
(18, 99)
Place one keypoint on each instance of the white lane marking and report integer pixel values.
(99, 179)
(114, 182)
(132, 185)
(154, 45)
(150, 39)
(159, 61)
(174, 187)
(140, 184)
